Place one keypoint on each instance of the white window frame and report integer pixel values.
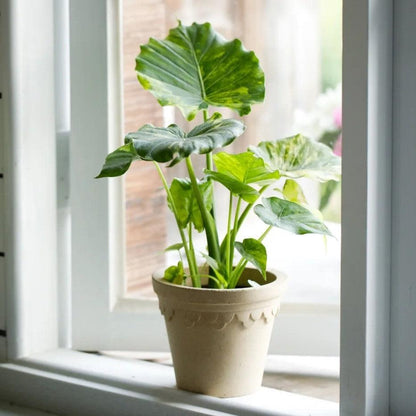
(41, 376)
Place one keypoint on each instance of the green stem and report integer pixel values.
(248, 208)
(210, 229)
(235, 231)
(263, 236)
(190, 254)
(192, 251)
(209, 165)
(228, 254)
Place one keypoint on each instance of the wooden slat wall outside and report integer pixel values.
(145, 200)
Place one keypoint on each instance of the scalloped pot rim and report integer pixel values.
(280, 280)
(223, 297)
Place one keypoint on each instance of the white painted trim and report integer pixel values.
(85, 384)
(97, 205)
(366, 206)
(403, 287)
(30, 182)
(62, 123)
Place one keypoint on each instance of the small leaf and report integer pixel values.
(290, 216)
(175, 274)
(254, 252)
(248, 193)
(174, 247)
(293, 192)
(194, 67)
(118, 162)
(298, 156)
(186, 204)
(210, 261)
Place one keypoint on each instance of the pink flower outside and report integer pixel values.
(338, 117)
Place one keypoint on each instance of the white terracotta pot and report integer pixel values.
(219, 337)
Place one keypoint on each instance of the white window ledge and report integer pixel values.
(71, 382)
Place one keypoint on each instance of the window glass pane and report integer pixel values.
(298, 43)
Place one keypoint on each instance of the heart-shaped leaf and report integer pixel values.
(171, 144)
(186, 204)
(254, 252)
(236, 172)
(245, 167)
(293, 192)
(290, 216)
(194, 67)
(299, 156)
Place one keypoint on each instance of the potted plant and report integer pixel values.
(219, 315)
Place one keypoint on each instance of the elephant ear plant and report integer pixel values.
(195, 69)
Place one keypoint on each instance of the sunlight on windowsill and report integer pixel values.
(316, 377)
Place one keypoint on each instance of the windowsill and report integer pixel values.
(311, 376)
(88, 384)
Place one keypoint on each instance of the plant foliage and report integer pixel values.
(194, 68)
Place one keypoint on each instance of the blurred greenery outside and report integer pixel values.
(331, 74)
(331, 35)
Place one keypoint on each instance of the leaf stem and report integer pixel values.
(190, 254)
(228, 253)
(263, 236)
(209, 224)
(235, 231)
(248, 208)
(209, 165)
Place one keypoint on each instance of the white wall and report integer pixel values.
(403, 277)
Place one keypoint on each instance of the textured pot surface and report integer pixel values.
(219, 337)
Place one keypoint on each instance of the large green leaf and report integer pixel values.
(290, 216)
(194, 67)
(299, 156)
(171, 144)
(186, 205)
(254, 252)
(236, 172)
